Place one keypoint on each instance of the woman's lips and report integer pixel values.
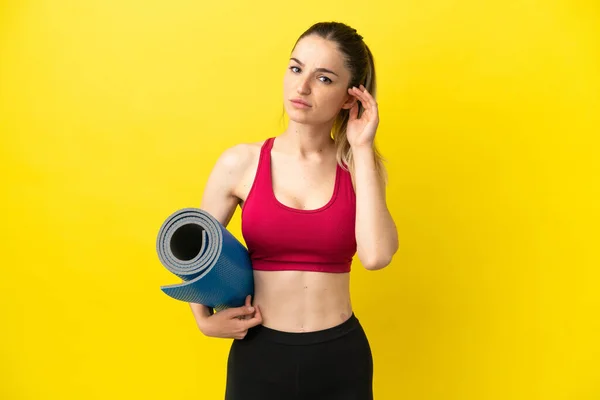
(299, 104)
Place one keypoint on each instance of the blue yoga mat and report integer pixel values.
(214, 265)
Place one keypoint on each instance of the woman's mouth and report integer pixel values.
(299, 103)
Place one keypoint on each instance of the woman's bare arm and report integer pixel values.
(376, 233)
(220, 201)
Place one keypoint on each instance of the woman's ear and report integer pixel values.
(350, 101)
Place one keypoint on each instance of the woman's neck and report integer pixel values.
(303, 140)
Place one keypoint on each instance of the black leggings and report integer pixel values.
(332, 364)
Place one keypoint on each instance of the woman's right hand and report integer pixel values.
(232, 323)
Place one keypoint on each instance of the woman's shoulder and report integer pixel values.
(246, 147)
(241, 155)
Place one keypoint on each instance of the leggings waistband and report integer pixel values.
(303, 338)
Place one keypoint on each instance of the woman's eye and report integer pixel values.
(293, 68)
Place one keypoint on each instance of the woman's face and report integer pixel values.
(316, 75)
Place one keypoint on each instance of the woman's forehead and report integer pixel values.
(319, 53)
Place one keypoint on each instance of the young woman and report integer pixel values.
(311, 198)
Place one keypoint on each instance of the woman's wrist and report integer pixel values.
(203, 319)
(363, 154)
(362, 150)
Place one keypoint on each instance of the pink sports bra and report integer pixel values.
(279, 237)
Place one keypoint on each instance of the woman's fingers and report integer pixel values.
(255, 320)
(258, 313)
(358, 94)
(354, 112)
(365, 97)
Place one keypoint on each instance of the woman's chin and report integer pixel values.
(302, 117)
(298, 115)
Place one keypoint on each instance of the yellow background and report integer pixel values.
(113, 113)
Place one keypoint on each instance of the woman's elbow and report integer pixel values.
(375, 263)
(377, 254)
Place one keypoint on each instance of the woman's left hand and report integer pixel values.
(361, 131)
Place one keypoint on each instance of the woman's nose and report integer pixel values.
(303, 86)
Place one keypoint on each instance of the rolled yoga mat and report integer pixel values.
(214, 265)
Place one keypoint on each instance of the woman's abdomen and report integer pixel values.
(302, 301)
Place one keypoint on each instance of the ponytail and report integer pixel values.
(343, 151)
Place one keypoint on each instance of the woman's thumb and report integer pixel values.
(239, 311)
